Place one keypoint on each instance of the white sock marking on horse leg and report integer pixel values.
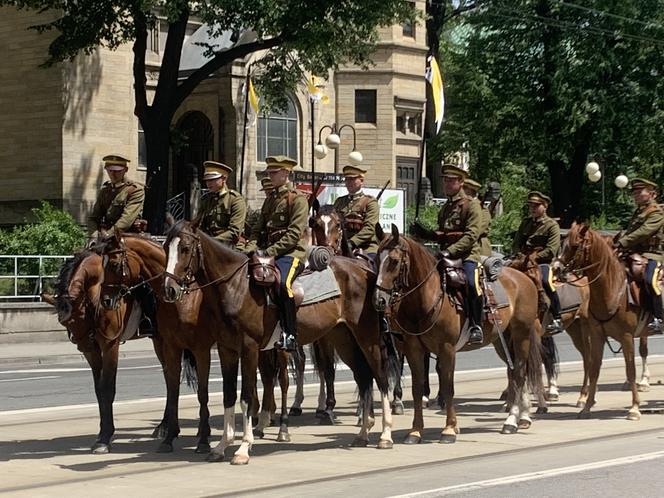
(322, 399)
(513, 417)
(229, 431)
(248, 435)
(387, 418)
(172, 258)
(525, 407)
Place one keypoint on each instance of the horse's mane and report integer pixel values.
(67, 271)
(326, 209)
(226, 251)
(417, 251)
(608, 264)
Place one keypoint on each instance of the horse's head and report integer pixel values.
(119, 271)
(183, 259)
(327, 228)
(575, 251)
(393, 268)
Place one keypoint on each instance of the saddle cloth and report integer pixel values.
(570, 297)
(318, 286)
(500, 296)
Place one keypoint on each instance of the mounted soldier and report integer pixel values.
(118, 209)
(223, 210)
(645, 236)
(539, 234)
(459, 229)
(472, 189)
(278, 233)
(359, 213)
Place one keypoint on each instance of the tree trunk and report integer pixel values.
(157, 139)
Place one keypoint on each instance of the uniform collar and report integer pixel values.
(356, 195)
(282, 189)
(647, 205)
(458, 196)
(119, 184)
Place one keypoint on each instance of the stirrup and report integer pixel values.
(555, 327)
(287, 342)
(146, 328)
(655, 326)
(476, 335)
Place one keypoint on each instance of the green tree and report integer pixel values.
(551, 85)
(299, 36)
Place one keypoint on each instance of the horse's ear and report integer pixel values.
(170, 220)
(395, 233)
(379, 232)
(194, 223)
(315, 205)
(584, 230)
(48, 298)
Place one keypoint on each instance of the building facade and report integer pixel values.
(59, 122)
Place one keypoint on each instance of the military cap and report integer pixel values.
(266, 185)
(275, 163)
(639, 183)
(475, 186)
(454, 171)
(539, 198)
(354, 171)
(214, 170)
(115, 162)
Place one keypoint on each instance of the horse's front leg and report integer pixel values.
(445, 366)
(268, 371)
(229, 369)
(94, 360)
(634, 412)
(161, 429)
(106, 396)
(397, 403)
(644, 383)
(249, 366)
(596, 339)
(283, 436)
(172, 369)
(296, 408)
(415, 355)
(203, 373)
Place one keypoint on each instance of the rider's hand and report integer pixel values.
(445, 254)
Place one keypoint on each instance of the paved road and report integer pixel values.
(44, 450)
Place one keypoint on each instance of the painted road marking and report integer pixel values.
(31, 378)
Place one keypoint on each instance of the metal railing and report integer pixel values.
(24, 278)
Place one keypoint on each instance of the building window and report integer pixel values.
(153, 38)
(365, 106)
(408, 28)
(142, 149)
(277, 134)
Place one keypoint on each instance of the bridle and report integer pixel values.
(579, 256)
(339, 233)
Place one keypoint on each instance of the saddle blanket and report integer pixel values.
(570, 297)
(318, 286)
(500, 295)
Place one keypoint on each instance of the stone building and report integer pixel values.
(59, 122)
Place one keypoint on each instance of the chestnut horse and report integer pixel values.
(409, 290)
(96, 333)
(198, 262)
(610, 314)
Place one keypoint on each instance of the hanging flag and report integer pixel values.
(253, 104)
(434, 78)
(315, 89)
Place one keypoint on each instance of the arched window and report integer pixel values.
(277, 134)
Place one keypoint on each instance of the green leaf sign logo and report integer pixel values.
(391, 202)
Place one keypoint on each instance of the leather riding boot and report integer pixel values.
(475, 304)
(288, 340)
(147, 326)
(556, 325)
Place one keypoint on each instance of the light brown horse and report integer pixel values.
(610, 314)
(197, 261)
(96, 333)
(409, 290)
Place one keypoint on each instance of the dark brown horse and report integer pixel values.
(96, 333)
(196, 261)
(409, 290)
(610, 314)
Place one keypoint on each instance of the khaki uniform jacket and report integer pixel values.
(117, 207)
(460, 226)
(222, 215)
(365, 238)
(542, 235)
(485, 243)
(645, 232)
(282, 224)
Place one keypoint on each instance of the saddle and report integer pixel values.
(452, 269)
(265, 273)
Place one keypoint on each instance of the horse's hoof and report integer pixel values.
(643, 388)
(100, 448)
(165, 448)
(509, 429)
(385, 444)
(259, 433)
(283, 437)
(633, 415)
(412, 439)
(541, 410)
(295, 412)
(214, 457)
(320, 413)
(326, 419)
(397, 409)
(583, 415)
(240, 460)
(525, 424)
(447, 439)
(359, 442)
(202, 448)
(552, 396)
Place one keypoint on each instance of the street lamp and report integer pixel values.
(332, 141)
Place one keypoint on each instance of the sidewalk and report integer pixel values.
(49, 353)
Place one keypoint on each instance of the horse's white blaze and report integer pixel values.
(382, 259)
(326, 219)
(248, 435)
(387, 418)
(229, 431)
(172, 258)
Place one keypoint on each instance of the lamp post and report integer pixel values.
(332, 141)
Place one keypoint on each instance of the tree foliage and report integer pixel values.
(550, 85)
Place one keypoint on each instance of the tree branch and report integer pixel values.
(220, 60)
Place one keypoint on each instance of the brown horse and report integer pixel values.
(610, 314)
(197, 261)
(409, 290)
(96, 333)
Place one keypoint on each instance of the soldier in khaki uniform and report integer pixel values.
(119, 202)
(541, 234)
(223, 211)
(359, 213)
(472, 188)
(278, 232)
(459, 229)
(645, 235)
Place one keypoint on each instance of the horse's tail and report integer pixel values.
(393, 363)
(550, 357)
(189, 371)
(534, 365)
